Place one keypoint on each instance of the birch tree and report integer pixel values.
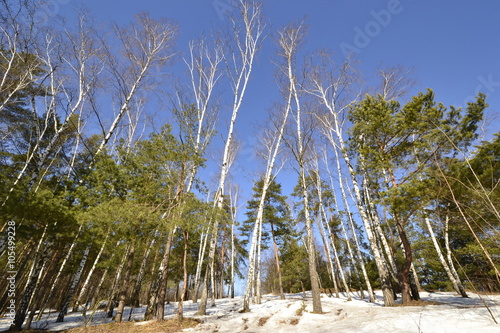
(335, 87)
(19, 68)
(271, 141)
(146, 44)
(299, 142)
(248, 33)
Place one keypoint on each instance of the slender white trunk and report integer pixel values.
(199, 264)
(316, 294)
(140, 275)
(258, 265)
(323, 221)
(74, 283)
(89, 275)
(273, 150)
(122, 298)
(456, 279)
(234, 207)
(329, 256)
(62, 266)
(32, 282)
(326, 86)
(118, 275)
(351, 224)
(245, 54)
(335, 255)
(348, 241)
(466, 220)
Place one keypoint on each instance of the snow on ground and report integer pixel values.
(452, 314)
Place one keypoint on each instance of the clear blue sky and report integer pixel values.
(454, 45)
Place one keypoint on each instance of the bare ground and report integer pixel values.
(167, 326)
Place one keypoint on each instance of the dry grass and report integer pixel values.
(419, 303)
(300, 310)
(167, 326)
(263, 321)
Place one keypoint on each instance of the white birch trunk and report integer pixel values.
(330, 236)
(62, 266)
(293, 38)
(74, 283)
(351, 224)
(199, 264)
(242, 63)
(348, 241)
(273, 147)
(140, 275)
(326, 86)
(89, 275)
(329, 256)
(456, 279)
(32, 282)
(142, 54)
(326, 233)
(118, 275)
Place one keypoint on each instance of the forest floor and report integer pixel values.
(167, 326)
(436, 312)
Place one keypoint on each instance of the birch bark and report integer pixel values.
(240, 65)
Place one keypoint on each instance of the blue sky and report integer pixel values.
(454, 46)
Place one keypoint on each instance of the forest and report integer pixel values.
(104, 206)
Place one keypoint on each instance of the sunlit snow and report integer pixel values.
(452, 314)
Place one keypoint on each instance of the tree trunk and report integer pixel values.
(199, 265)
(134, 299)
(30, 288)
(330, 236)
(180, 315)
(329, 256)
(33, 304)
(233, 257)
(163, 275)
(126, 279)
(313, 274)
(89, 274)
(112, 295)
(405, 269)
(202, 308)
(247, 48)
(74, 283)
(258, 265)
(456, 278)
(352, 227)
(385, 278)
(277, 260)
(55, 283)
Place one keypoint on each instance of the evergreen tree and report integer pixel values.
(276, 218)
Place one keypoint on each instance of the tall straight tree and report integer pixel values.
(298, 141)
(272, 144)
(247, 34)
(336, 87)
